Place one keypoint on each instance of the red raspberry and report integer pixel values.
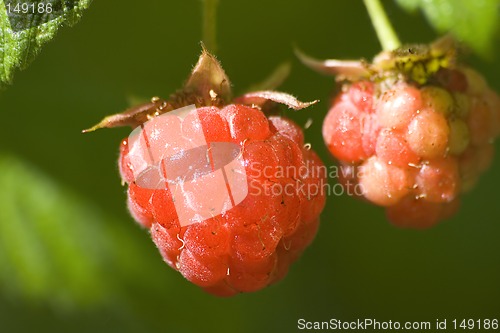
(251, 245)
(432, 129)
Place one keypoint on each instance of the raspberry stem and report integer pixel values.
(385, 32)
(210, 24)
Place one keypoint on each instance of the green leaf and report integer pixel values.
(473, 22)
(22, 32)
(56, 248)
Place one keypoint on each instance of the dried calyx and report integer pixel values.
(416, 63)
(208, 85)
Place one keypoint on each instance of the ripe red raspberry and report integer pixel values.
(416, 126)
(250, 245)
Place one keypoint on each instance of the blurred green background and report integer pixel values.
(73, 260)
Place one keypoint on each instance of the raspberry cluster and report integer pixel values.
(415, 148)
(252, 244)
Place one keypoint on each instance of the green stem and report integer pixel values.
(210, 24)
(385, 32)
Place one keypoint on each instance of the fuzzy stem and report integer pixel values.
(210, 24)
(385, 32)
